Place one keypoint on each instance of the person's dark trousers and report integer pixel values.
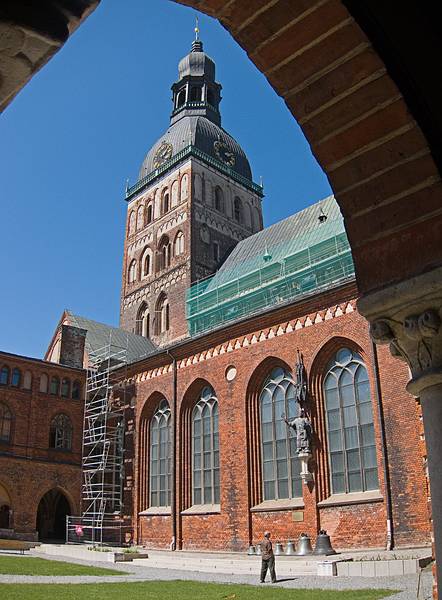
(268, 563)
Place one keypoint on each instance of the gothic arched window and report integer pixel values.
(219, 199)
(164, 253)
(60, 434)
(132, 272)
(237, 210)
(27, 380)
(5, 423)
(280, 465)
(149, 213)
(162, 315)
(44, 383)
(205, 449)
(4, 375)
(143, 321)
(160, 456)
(140, 217)
(350, 429)
(131, 227)
(146, 263)
(179, 243)
(16, 377)
(165, 202)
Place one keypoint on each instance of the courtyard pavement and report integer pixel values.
(407, 584)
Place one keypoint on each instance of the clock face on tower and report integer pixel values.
(163, 153)
(224, 153)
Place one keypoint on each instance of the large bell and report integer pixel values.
(304, 547)
(258, 549)
(290, 548)
(323, 544)
(251, 551)
(278, 549)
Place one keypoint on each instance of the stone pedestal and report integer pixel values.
(304, 457)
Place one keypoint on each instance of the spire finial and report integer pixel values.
(197, 29)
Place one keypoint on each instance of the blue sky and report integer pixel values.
(82, 126)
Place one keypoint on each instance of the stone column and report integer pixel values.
(408, 317)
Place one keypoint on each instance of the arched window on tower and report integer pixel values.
(160, 456)
(179, 243)
(131, 226)
(205, 449)
(60, 433)
(140, 217)
(195, 93)
(149, 213)
(5, 423)
(181, 98)
(146, 262)
(162, 315)
(219, 199)
(132, 272)
(280, 465)
(164, 253)
(350, 429)
(165, 202)
(142, 326)
(211, 97)
(238, 210)
(76, 390)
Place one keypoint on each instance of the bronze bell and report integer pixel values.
(323, 544)
(251, 551)
(258, 549)
(290, 548)
(304, 546)
(278, 549)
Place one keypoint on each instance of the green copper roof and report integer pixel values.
(302, 255)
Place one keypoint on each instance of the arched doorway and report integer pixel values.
(51, 516)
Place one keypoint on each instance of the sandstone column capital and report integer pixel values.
(408, 317)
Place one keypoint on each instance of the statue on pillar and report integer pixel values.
(302, 427)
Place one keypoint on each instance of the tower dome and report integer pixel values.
(196, 120)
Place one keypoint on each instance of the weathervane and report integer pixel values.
(197, 29)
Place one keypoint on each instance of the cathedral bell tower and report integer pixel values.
(193, 202)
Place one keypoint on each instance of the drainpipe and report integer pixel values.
(388, 505)
(173, 501)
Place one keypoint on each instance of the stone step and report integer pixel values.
(226, 566)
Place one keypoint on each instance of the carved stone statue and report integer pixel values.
(303, 429)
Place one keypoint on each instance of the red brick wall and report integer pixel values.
(28, 467)
(318, 335)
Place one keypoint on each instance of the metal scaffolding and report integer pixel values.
(103, 442)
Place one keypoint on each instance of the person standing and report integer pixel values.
(268, 558)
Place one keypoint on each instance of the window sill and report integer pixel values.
(274, 505)
(202, 509)
(156, 510)
(352, 498)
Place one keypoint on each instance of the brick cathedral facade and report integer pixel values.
(218, 312)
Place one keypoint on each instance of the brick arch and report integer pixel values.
(352, 109)
(253, 431)
(143, 450)
(316, 400)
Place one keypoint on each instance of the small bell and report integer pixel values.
(251, 551)
(258, 549)
(278, 549)
(290, 548)
(304, 547)
(323, 544)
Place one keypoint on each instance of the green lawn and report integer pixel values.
(178, 590)
(30, 565)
